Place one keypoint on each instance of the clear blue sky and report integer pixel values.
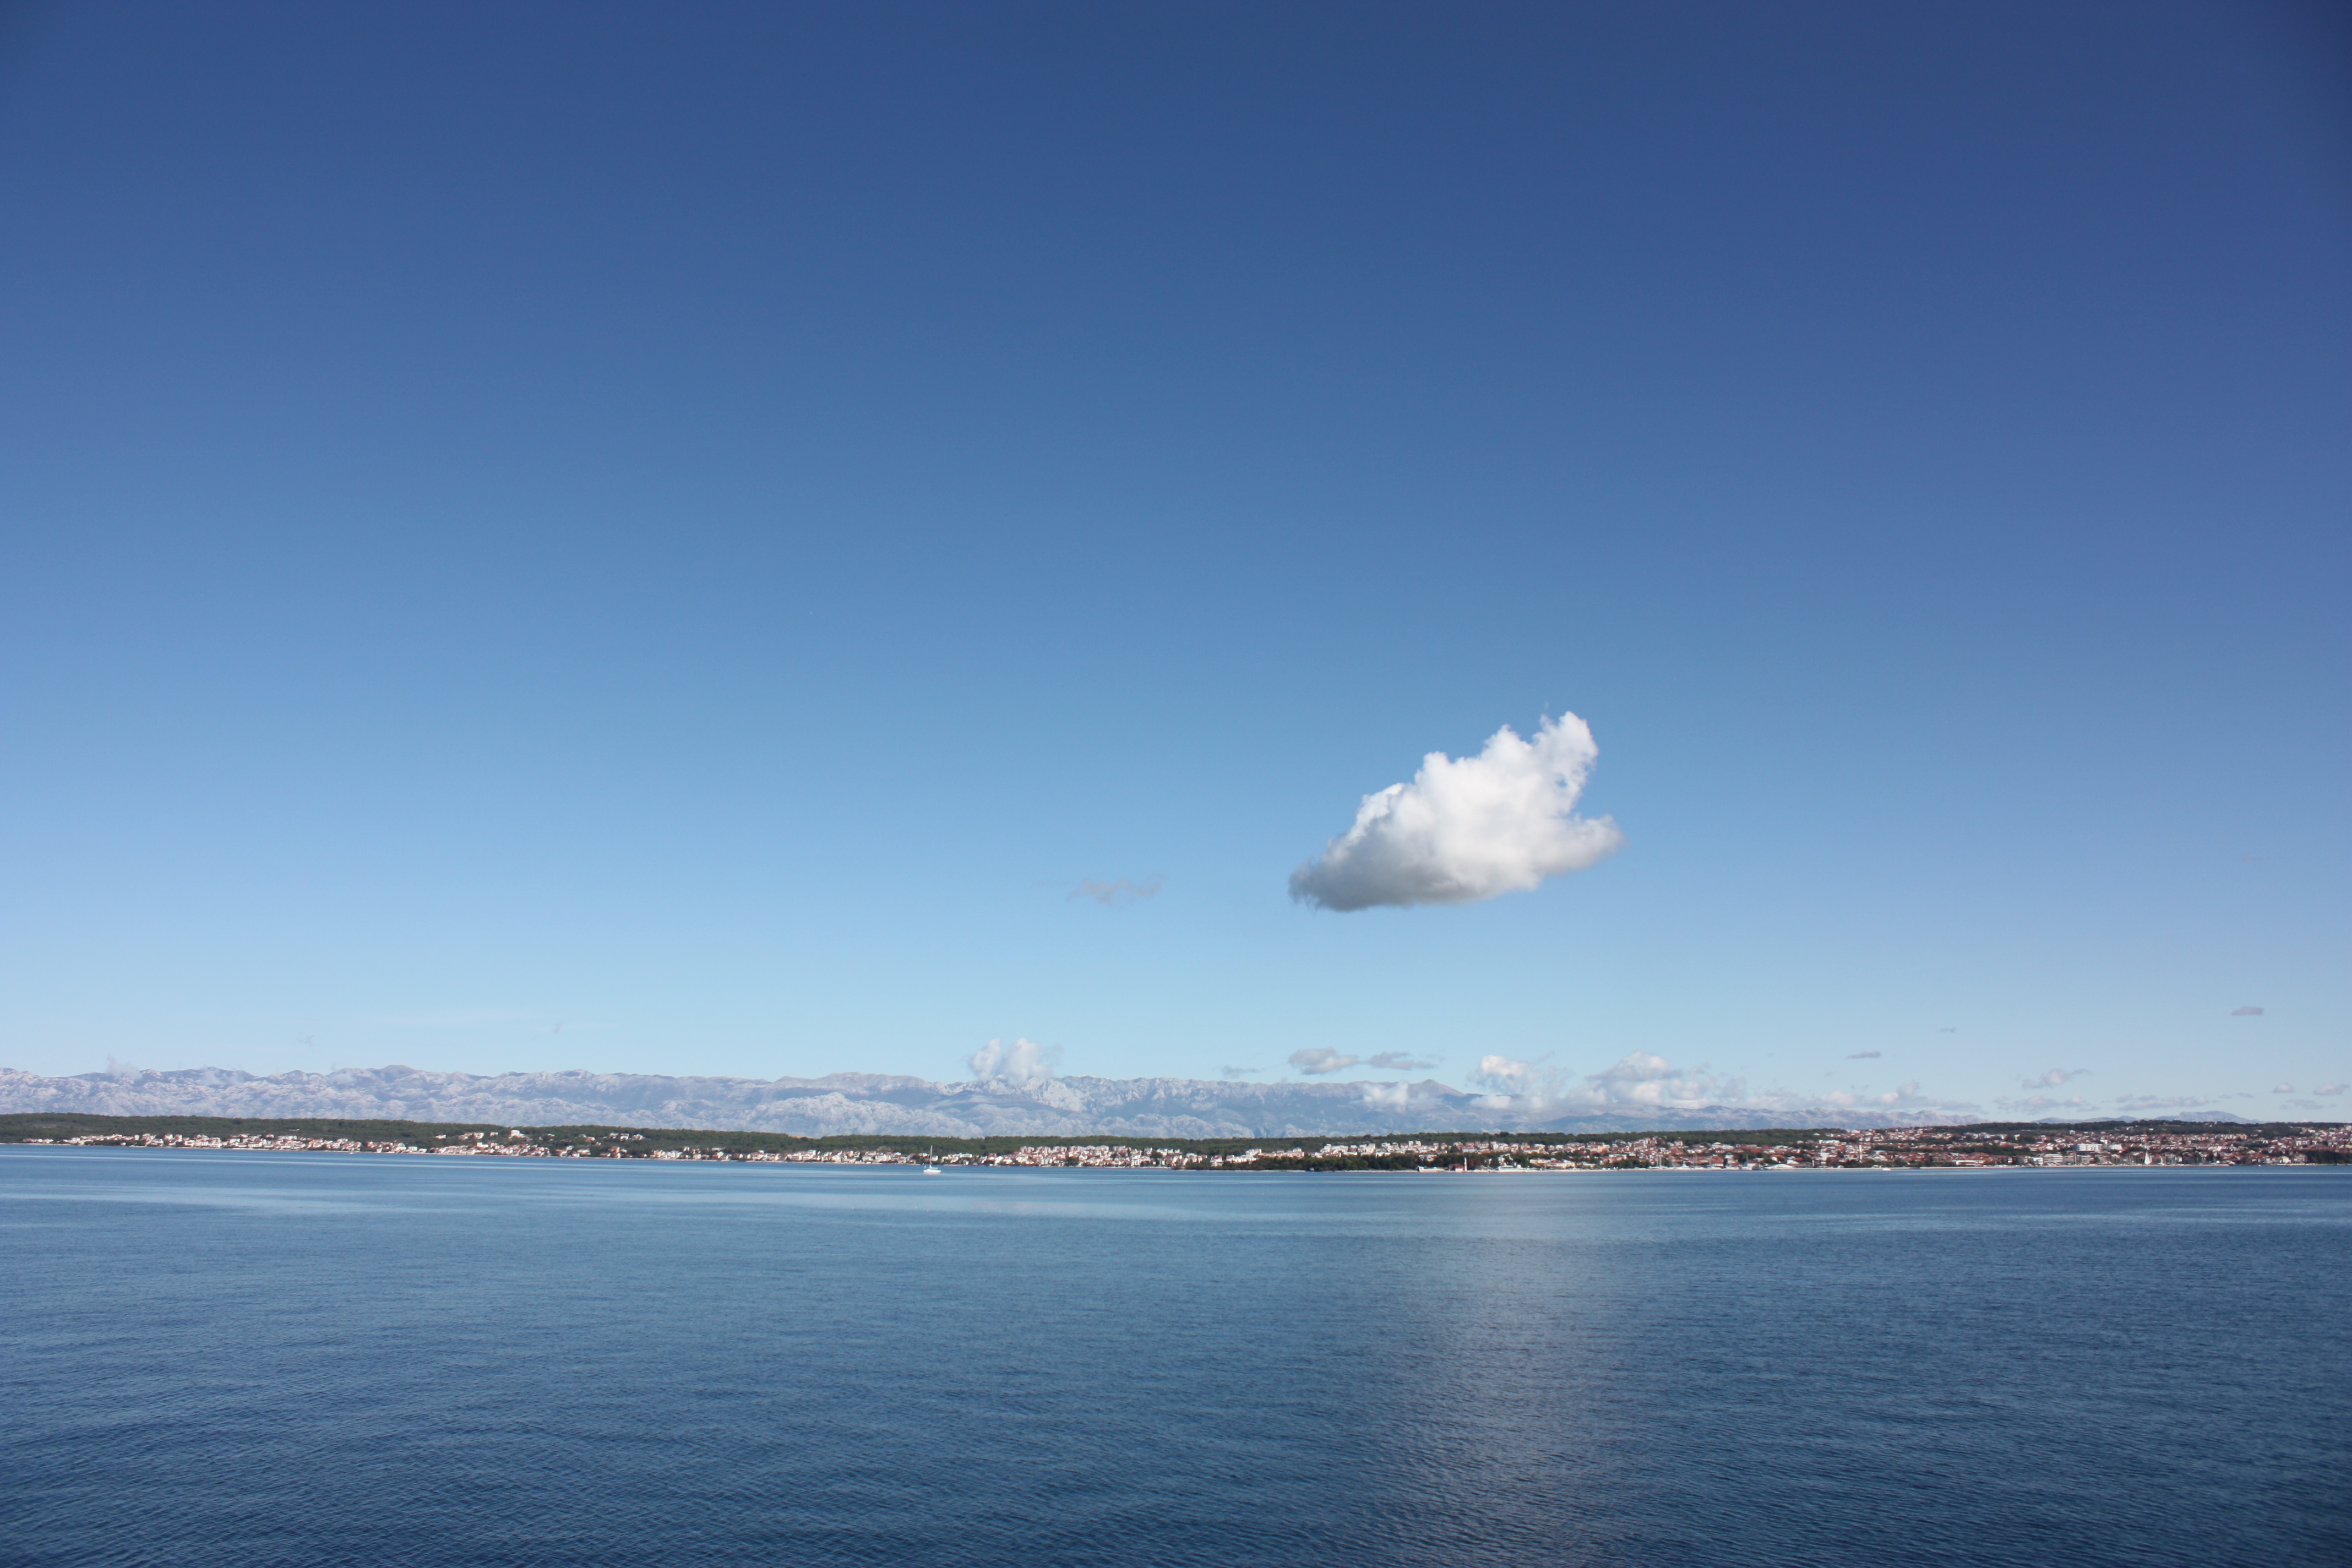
(671, 539)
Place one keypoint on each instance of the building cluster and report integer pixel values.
(277, 1141)
(1883, 1148)
(513, 1144)
(2174, 1143)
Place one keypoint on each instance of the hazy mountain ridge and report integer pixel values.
(878, 1102)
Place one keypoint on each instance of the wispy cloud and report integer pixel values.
(1319, 1060)
(1863, 1057)
(2042, 1102)
(2281, 1089)
(1466, 830)
(2245, 1011)
(449, 1018)
(1643, 1081)
(1242, 1072)
(1023, 1061)
(1903, 1093)
(1637, 1078)
(2328, 1089)
(2164, 1102)
(2053, 1077)
(1119, 890)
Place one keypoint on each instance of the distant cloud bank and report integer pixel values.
(1321, 1059)
(998, 1104)
(2042, 1102)
(1466, 830)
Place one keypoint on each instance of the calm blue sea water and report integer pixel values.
(275, 1359)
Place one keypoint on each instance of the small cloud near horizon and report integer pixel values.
(2245, 1011)
(2328, 1089)
(1242, 1072)
(2053, 1077)
(2281, 1089)
(1119, 890)
(1468, 829)
(1865, 1055)
(1397, 1061)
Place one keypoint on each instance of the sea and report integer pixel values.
(258, 1358)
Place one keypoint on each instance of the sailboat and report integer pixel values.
(929, 1168)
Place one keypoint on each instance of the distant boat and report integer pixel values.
(930, 1169)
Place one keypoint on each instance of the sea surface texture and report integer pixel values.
(287, 1359)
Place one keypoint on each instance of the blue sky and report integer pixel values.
(673, 539)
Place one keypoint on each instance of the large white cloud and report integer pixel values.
(1023, 1061)
(1464, 830)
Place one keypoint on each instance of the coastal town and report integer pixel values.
(1989, 1145)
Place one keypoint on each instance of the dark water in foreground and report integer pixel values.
(267, 1359)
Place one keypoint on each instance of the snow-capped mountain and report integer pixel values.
(875, 1103)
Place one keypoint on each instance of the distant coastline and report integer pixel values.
(1980, 1145)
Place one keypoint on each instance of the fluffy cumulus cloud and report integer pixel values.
(2053, 1077)
(2328, 1089)
(1504, 1076)
(1023, 1061)
(1464, 830)
(2281, 1089)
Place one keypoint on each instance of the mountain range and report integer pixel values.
(880, 1103)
